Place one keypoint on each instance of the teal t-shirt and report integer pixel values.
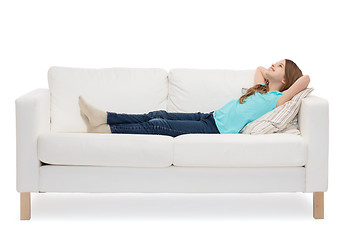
(233, 116)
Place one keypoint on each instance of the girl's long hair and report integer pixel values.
(292, 73)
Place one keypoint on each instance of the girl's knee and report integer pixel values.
(157, 113)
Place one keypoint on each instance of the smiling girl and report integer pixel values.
(272, 87)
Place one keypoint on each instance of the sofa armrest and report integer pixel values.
(32, 119)
(313, 120)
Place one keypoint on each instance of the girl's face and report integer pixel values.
(276, 72)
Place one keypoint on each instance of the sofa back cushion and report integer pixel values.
(205, 90)
(127, 90)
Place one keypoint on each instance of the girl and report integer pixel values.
(273, 87)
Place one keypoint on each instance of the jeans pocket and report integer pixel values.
(208, 115)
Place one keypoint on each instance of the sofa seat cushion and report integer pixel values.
(94, 149)
(240, 150)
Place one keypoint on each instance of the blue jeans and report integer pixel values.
(162, 122)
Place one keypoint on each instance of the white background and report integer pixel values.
(322, 37)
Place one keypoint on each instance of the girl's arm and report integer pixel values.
(259, 75)
(299, 85)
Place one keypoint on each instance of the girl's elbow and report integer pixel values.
(306, 80)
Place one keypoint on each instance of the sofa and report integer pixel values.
(55, 153)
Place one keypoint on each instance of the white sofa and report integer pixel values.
(54, 153)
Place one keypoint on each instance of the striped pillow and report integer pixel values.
(292, 127)
(277, 120)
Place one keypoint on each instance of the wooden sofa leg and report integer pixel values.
(318, 205)
(25, 206)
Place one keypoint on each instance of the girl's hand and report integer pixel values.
(260, 75)
(262, 70)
